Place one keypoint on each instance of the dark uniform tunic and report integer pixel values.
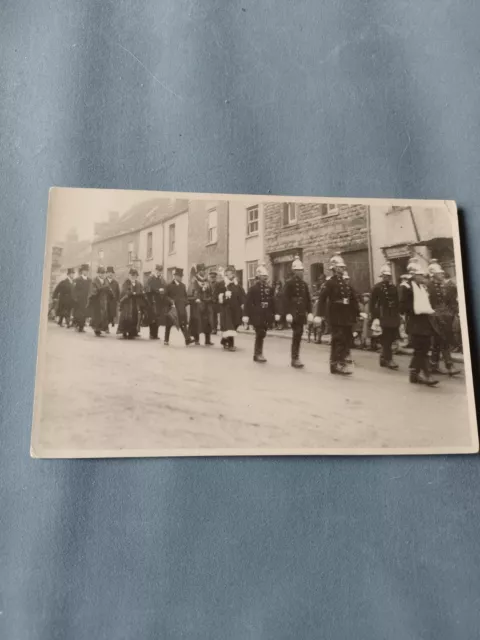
(385, 307)
(420, 329)
(157, 303)
(98, 302)
(113, 301)
(132, 306)
(298, 304)
(177, 292)
(443, 298)
(338, 304)
(201, 301)
(64, 294)
(260, 307)
(81, 291)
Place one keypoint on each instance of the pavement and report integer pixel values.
(285, 334)
(112, 394)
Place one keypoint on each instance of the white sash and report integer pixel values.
(421, 301)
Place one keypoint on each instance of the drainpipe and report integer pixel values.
(369, 243)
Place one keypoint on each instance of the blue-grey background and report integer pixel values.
(339, 97)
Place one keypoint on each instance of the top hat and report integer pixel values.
(177, 271)
(101, 270)
(110, 270)
(84, 267)
(133, 272)
(70, 271)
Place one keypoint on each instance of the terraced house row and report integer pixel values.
(246, 233)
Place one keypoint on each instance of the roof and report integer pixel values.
(142, 215)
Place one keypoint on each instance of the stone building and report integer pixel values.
(314, 232)
(401, 232)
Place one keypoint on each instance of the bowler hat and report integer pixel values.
(110, 270)
(178, 272)
(133, 272)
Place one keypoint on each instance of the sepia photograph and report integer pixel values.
(182, 324)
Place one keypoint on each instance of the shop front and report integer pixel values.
(282, 264)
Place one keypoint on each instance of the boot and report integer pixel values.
(383, 362)
(392, 365)
(427, 380)
(343, 370)
(208, 341)
(189, 341)
(413, 376)
(437, 368)
(296, 364)
(166, 343)
(333, 367)
(259, 357)
(452, 371)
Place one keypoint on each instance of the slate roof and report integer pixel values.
(142, 215)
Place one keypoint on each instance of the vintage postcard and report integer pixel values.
(182, 324)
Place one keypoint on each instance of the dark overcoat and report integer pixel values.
(113, 301)
(81, 292)
(260, 305)
(338, 303)
(132, 306)
(98, 303)
(64, 294)
(385, 305)
(200, 296)
(230, 307)
(157, 301)
(177, 292)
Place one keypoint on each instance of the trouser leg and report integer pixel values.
(297, 332)
(260, 334)
(388, 335)
(168, 327)
(154, 330)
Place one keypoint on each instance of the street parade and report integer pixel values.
(423, 308)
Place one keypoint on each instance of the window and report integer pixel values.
(289, 213)
(171, 238)
(130, 252)
(252, 221)
(329, 210)
(212, 226)
(101, 255)
(251, 269)
(149, 245)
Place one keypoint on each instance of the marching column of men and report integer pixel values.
(424, 300)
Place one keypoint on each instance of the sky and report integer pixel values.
(81, 208)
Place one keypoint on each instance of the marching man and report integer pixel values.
(201, 299)
(338, 303)
(385, 312)
(443, 299)
(298, 308)
(64, 294)
(230, 299)
(177, 292)
(259, 310)
(415, 303)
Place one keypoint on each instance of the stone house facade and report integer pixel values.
(314, 232)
